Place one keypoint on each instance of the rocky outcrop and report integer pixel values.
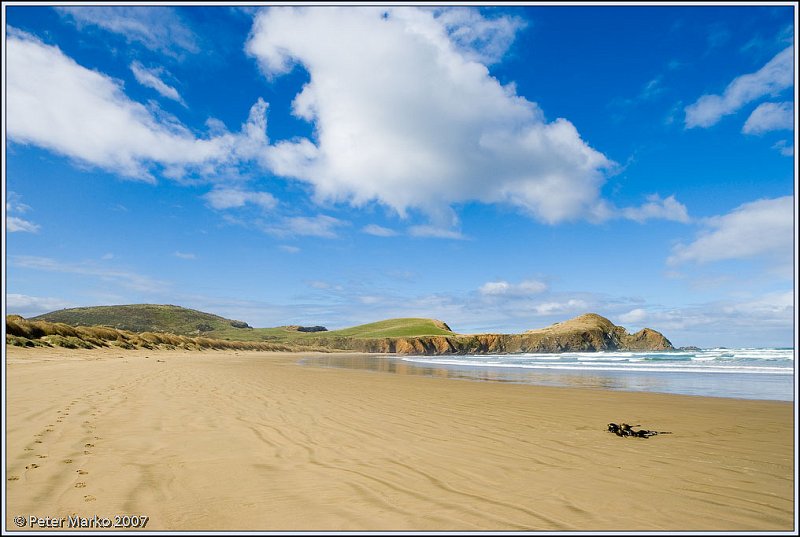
(589, 332)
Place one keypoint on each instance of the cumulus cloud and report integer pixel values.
(55, 103)
(771, 79)
(151, 78)
(229, 198)
(655, 207)
(159, 28)
(478, 37)
(759, 228)
(770, 117)
(417, 122)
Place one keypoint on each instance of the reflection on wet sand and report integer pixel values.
(741, 386)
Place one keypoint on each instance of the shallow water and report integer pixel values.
(738, 373)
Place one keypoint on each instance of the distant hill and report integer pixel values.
(588, 332)
(403, 327)
(145, 318)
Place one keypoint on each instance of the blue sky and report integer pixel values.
(499, 168)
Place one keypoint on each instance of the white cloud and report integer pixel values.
(158, 28)
(150, 78)
(666, 209)
(771, 79)
(130, 280)
(435, 232)
(378, 231)
(503, 288)
(416, 123)
(30, 306)
(184, 255)
(16, 224)
(479, 38)
(312, 226)
(770, 117)
(289, 249)
(229, 198)
(571, 306)
(784, 147)
(53, 102)
(759, 228)
(765, 319)
(635, 316)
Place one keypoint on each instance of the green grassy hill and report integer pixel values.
(403, 327)
(146, 318)
(185, 321)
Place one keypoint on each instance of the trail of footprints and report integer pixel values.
(44, 444)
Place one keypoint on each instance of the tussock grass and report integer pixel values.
(22, 332)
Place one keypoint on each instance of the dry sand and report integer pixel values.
(227, 441)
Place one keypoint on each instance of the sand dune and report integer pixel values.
(226, 441)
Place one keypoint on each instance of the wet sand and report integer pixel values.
(253, 441)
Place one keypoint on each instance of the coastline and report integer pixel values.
(223, 440)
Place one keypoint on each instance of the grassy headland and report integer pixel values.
(148, 324)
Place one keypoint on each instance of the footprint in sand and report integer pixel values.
(89, 498)
(88, 445)
(28, 449)
(32, 466)
(13, 478)
(80, 485)
(37, 441)
(87, 452)
(67, 461)
(42, 456)
(82, 472)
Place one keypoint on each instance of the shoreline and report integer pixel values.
(251, 440)
(695, 384)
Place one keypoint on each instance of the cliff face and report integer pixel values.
(589, 332)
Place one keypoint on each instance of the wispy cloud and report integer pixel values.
(184, 255)
(378, 231)
(16, 224)
(228, 198)
(289, 249)
(151, 79)
(784, 147)
(30, 306)
(504, 288)
(657, 208)
(770, 117)
(158, 28)
(771, 79)
(435, 232)
(130, 280)
(323, 226)
(759, 228)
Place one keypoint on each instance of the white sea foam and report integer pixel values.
(719, 360)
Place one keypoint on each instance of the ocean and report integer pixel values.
(744, 373)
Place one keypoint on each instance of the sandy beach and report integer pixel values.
(253, 441)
